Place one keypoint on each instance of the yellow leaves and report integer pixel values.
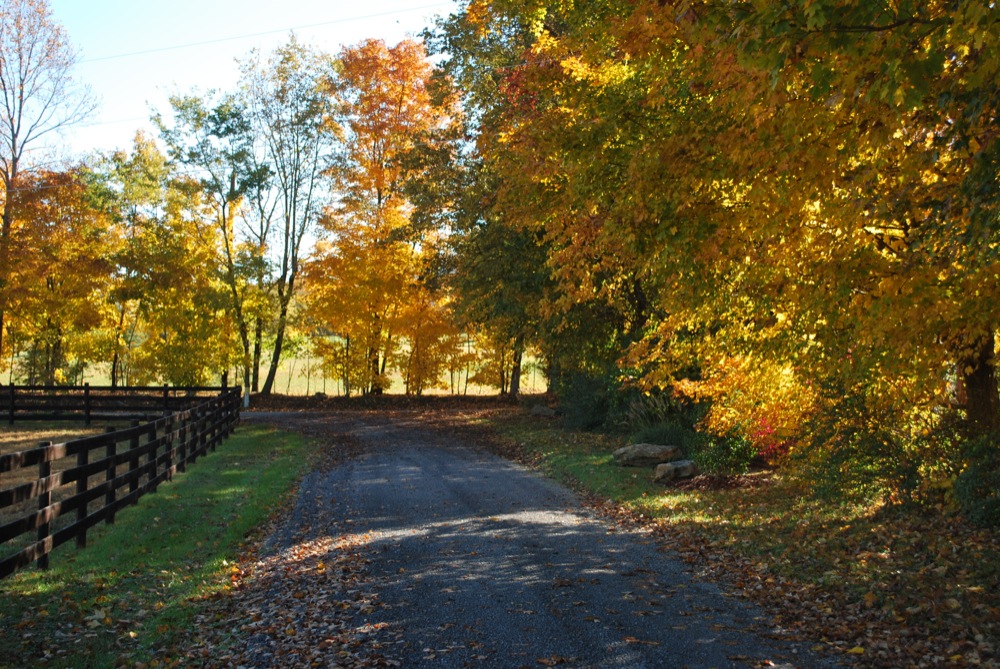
(857, 650)
(478, 15)
(603, 74)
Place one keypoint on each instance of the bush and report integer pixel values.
(584, 400)
(670, 433)
(865, 447)
(593, 401)
(728, 455)
(977, 489)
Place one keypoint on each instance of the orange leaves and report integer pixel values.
(383, 93)
(364, 281)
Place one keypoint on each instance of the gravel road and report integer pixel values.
(479, 562)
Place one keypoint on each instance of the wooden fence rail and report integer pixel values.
(88, 402)
(116, 468)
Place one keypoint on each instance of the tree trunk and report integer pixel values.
(279, 341)
(116, 357)
(503, 371)
(515, 372)
(347, 366)
(374, 385)
(979, 377)
(7, 219)
(258, 336)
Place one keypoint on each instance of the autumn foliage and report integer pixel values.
(784, 213)
(781, 216)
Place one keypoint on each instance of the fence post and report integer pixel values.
(133, 463)
(12, 405)
(198, 434)
(166, 399)
(232, 409)
(86, 403)
(110, 451)
(44, 501)
(183, 450)
(203, 436)
(81, 487)
(152, 457)
(169, 446)
(211, 420)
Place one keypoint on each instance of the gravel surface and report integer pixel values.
(473, 561)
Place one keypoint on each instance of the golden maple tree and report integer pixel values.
(364, 280)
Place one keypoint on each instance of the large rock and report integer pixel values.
(646, 455)
(668, 471)
(543, 411)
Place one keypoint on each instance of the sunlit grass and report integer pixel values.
(131, 591)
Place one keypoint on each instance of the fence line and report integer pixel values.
(126, 464)
(88, 402)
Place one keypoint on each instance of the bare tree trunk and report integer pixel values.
(347, 367)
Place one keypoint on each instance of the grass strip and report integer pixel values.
(136, 590)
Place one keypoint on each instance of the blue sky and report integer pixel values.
(135, 53)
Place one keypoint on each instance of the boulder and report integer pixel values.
(668, 471)
(543, 411)
(646, 455)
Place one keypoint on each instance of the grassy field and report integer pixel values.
(882, 586)
(134, 592)
(302, 377)
(28, 434)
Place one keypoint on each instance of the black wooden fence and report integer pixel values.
(110, 470)
(89, 403)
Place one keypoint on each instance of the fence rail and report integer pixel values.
(113, 469)
(89, 403)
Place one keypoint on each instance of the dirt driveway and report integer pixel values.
(426, 550)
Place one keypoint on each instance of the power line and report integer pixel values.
(121, 120)
(260, 34)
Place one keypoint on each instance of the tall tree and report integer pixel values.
(217, 141)
(38, 97)
(131, 187)
(291, 115)
(64, 273)
(802, 191)
(372, 257)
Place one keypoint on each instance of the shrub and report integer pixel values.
(866, 447)
(584, 399)
(727, 455)
(978, 487)
(669, 432)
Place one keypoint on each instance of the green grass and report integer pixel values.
(136, 588)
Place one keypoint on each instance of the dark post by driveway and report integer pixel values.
(471, 560)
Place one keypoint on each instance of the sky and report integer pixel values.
(135, 53)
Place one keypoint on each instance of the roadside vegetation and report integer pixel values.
(135, 595)
(885, 585)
